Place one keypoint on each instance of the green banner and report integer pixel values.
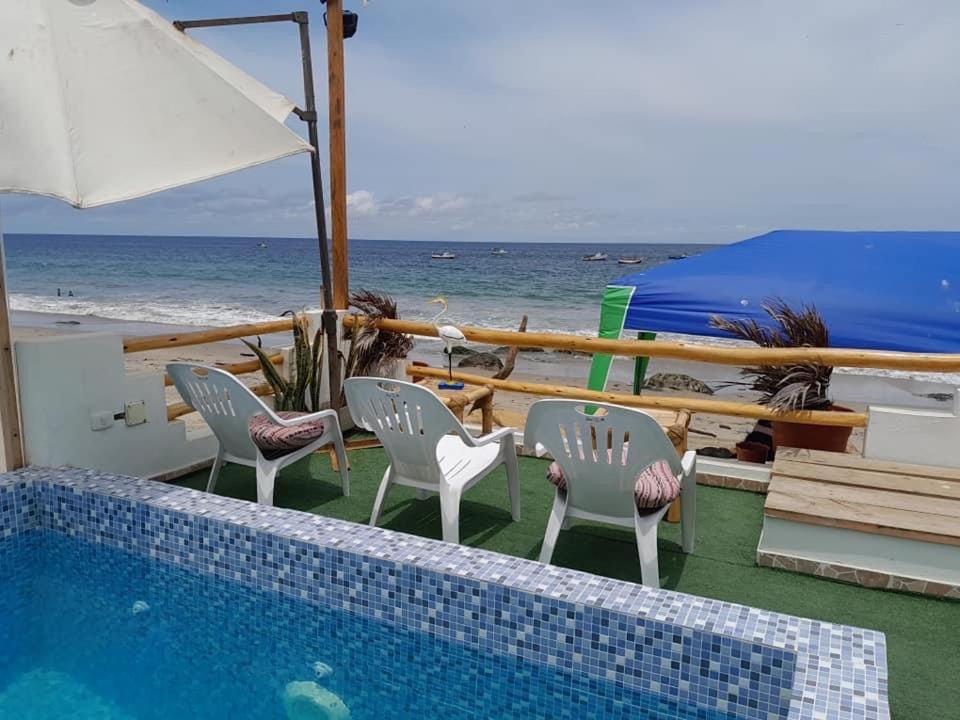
(613, 314)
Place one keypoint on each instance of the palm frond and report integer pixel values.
(371, 349)
(798, 386)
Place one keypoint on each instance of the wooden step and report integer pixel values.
(857, 462)
(846, 491)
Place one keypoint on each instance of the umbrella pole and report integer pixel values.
(9, 411)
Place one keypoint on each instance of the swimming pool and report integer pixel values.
(122, 598)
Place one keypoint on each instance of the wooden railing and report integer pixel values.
(718, 407)
(199, 337)
(722, 355)
(740, 356)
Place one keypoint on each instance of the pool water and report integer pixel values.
(89, 632)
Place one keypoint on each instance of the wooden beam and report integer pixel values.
(156, 342)
(742, 356)
(718, 407)
(338, 154)
(9, 408)
(240, 368)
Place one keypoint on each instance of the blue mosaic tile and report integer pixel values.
(718, 655)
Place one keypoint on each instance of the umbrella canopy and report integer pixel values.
(104, 100)
(875, 290)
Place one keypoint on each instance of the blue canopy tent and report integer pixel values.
(876, 290)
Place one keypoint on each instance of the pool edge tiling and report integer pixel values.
(732, 658)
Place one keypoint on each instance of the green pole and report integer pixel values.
(640, 364)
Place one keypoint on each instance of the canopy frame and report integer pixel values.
(309, 115)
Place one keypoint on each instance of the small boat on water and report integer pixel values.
(596, 257)
(261, 245)
(630, 260)
(445, 255)
(498, 251)
(678, 257)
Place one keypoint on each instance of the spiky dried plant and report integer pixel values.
(374, 351)
(307, 359)
(798, 386)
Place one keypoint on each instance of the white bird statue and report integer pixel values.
(450, 335)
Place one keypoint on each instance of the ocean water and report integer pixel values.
(223, 281)
(90, 632)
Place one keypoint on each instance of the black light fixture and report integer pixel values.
(350, 20)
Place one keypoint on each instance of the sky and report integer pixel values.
(560, 121)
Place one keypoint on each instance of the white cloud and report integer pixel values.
(437, 204)
(361, 202)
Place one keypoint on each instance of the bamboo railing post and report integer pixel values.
(486, 413)
(338, 153)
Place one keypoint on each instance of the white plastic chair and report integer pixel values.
(587, 442)
(227, 405)
(413, 425)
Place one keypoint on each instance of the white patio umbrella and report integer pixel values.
(103, 101)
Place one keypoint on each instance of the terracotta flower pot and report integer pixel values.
(753, 452)
(812, 437)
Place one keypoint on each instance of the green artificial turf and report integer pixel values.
(923, 634)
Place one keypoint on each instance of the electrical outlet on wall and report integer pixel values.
(135, 413)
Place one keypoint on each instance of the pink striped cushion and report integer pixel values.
(656, 485)
(276, 440)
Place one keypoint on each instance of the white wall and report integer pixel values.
(926, 437)
(859, 388)
(65, 380)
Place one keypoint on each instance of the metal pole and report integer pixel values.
(329, 316)
(309, 115)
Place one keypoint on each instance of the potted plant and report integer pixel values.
(797, 386)
(375, 352)
(301, 392)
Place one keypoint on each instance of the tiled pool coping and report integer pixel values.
(755, 663)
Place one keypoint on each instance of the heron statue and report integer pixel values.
(450, 335)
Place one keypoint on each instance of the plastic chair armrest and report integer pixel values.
(493, 437)
(319, 415)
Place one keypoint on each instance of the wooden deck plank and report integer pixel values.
(849, 494)
(863, 518)
(830, 474)
(857, 462)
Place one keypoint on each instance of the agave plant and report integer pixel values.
(374, 351)
(798, 386)
(305, 377)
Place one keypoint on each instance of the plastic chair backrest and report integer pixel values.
(588, 443)
(407, 419)
(225, 403)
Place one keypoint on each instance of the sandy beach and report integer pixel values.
(541, 367)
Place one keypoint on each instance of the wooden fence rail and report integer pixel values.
(155, 342)
(718, 407)
(723, 355)
(240, 368)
